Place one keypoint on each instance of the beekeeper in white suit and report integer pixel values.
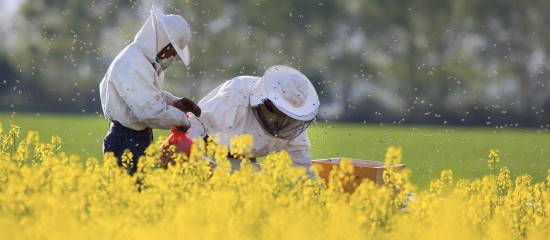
(275, 109)
(131, 91)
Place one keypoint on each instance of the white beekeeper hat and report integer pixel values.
(289, 90)
(178, 32)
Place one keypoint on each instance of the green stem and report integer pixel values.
(13, 145)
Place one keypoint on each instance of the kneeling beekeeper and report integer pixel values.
(131, 91)
(275, 109)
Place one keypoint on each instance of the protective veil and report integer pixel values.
(276, 123)
(131, 91)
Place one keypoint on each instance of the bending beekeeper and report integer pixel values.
(275, 109)
(131, 91)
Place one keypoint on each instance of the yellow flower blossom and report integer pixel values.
(494, 158)
(8, 142)
(241, 146)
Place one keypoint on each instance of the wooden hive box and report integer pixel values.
(362, 169)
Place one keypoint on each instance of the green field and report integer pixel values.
(426, 149)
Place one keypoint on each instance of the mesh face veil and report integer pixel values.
(276, 123)
(167, 56)
(166, 62)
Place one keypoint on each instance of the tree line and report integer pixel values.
(475, 62)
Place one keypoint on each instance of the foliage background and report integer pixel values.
(475, 62)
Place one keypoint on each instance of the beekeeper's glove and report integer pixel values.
(186, 105)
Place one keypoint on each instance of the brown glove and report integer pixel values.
(183, 128)
(186, 105)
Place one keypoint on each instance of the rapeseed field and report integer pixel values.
(48, 194)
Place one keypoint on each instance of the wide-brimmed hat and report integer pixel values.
(289, 90)
(177, 31)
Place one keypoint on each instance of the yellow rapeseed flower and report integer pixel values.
(8, 142)
(241, 146)
(494, 158)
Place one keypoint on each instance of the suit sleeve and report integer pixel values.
(220, 109)
(146, 101)
(299, 149)
(169, 97)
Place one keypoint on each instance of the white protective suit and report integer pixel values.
(131, 91)
(227, 112)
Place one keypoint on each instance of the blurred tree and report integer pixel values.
(246, 37)
(514, 56)
(301, 34)
(464, 62)
(221, 46)
(60, 48)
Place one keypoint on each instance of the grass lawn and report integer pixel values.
(429, 149)
(426, 149)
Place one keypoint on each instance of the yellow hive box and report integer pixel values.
(362, 169)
